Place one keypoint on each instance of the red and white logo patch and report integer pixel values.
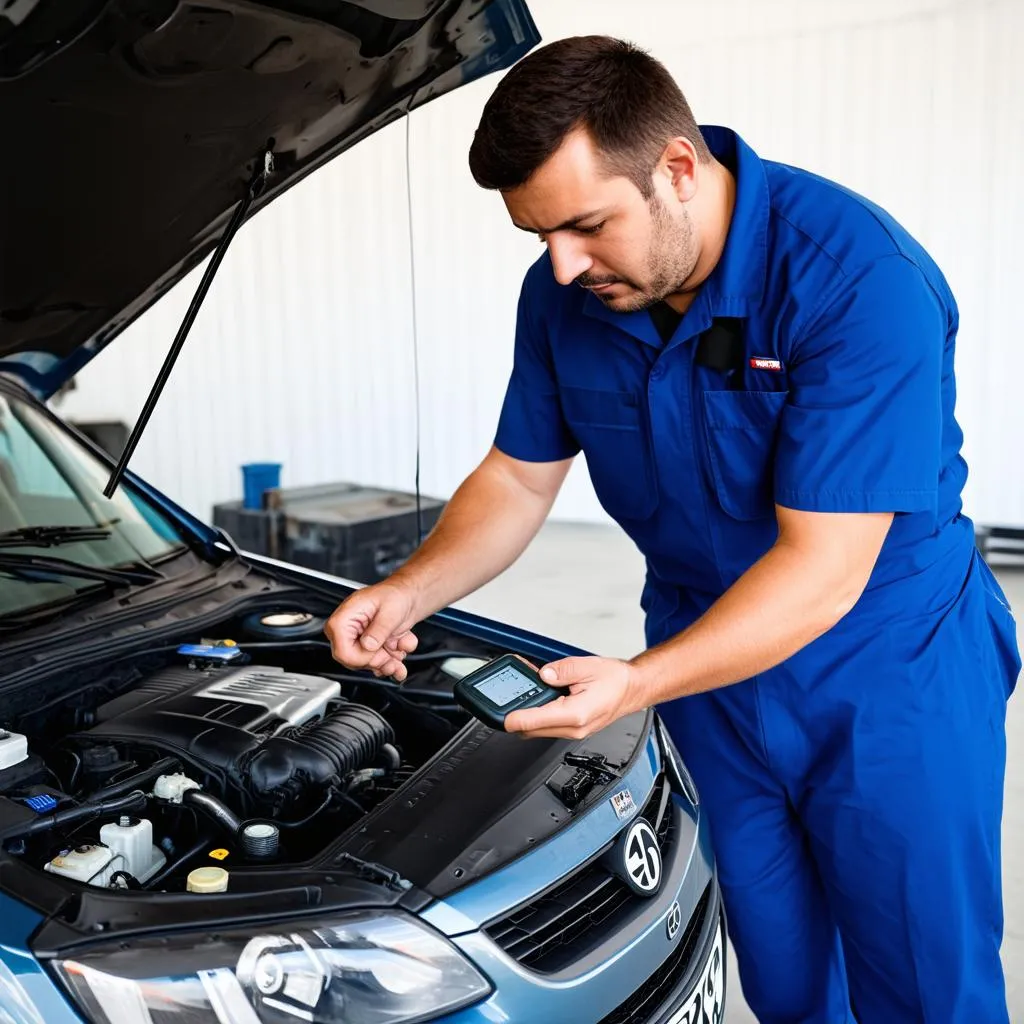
(766, 363)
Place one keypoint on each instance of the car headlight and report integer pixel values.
(381, 969)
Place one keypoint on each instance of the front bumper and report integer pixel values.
(640, 971)
(643, 970)
(689, 987)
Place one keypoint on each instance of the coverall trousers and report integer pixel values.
(854, 796)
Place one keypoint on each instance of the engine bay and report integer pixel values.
(247, 746)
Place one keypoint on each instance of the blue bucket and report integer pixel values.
(258, 477)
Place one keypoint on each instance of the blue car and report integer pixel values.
(202, 817)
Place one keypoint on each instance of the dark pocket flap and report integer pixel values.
(744, 410)
(613, 433)
(587, 407)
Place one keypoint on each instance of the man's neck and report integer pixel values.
(711, 221)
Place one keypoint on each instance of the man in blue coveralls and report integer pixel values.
(758, 367)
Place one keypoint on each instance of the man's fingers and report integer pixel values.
(387, 663)
(384, 656)
(408, 642)
(343, 629)
(399, 646)
(559, 734)
(562, 713)
(386, 623)
(597, 688)
(370, 630)
(566, 671)
(392, 670)
(526, 661)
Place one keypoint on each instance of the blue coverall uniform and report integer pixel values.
(854, 792)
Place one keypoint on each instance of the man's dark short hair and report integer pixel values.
(626, 100)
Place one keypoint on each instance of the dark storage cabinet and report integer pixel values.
(359, 533)
(1001, 546)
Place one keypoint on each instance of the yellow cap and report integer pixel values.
(218, 854)
(207, 880)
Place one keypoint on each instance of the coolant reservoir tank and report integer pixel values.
(13, 749)
(89, 864)
(131, 841)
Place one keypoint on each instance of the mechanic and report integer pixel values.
(758, 367)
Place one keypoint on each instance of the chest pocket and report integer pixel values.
(740, 431)
(611, 428)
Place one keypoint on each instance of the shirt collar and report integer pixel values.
(737, 283)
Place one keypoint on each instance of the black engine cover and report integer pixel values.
(212, 719)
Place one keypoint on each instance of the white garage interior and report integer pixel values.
(391, 258)
(303, 352)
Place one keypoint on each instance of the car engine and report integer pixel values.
(165, 771)
(269, 737)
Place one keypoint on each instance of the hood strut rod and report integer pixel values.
(256, 185)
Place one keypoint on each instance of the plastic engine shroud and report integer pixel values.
(267, 730)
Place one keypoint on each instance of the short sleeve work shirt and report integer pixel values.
(839, 399)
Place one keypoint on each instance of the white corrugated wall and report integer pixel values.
(303, 352)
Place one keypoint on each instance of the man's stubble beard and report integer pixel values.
(670, 261)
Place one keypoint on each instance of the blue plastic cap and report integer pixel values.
(209, 651)
(42, 803)
(258, 477)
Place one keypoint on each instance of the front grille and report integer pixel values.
(565, 923)
(663, 982)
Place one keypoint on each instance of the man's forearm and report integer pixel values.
(484, 528)
(782, 603)
(812, 577)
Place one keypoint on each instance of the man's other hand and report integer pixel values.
(372, 629)
(601, 690)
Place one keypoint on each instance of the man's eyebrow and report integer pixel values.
(568, 225)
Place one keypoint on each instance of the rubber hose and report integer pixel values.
(72, 814)
(320, 753)
(168, 869)
(161, 767)
(213, 809)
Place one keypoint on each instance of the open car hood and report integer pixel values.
(133, 128)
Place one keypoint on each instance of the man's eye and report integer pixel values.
(591, 230)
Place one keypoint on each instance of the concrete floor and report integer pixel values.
(556, 590)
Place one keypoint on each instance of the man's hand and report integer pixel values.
(601, 690)
(372, 629)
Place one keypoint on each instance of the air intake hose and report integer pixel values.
(319, 753)
(213, 809)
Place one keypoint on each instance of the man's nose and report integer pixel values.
(569, 258)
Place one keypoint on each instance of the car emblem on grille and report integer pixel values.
(674, 920)
(641, 858)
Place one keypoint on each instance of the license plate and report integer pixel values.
(704, 1003)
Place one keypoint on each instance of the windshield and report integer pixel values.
(47, 479)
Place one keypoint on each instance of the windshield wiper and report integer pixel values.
(25, 565)
(52, 536)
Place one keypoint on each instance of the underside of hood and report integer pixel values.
(132, 129)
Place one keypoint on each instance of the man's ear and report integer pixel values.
(679, 164)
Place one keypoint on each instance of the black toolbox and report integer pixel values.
(358, 533)
(1001, 546)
